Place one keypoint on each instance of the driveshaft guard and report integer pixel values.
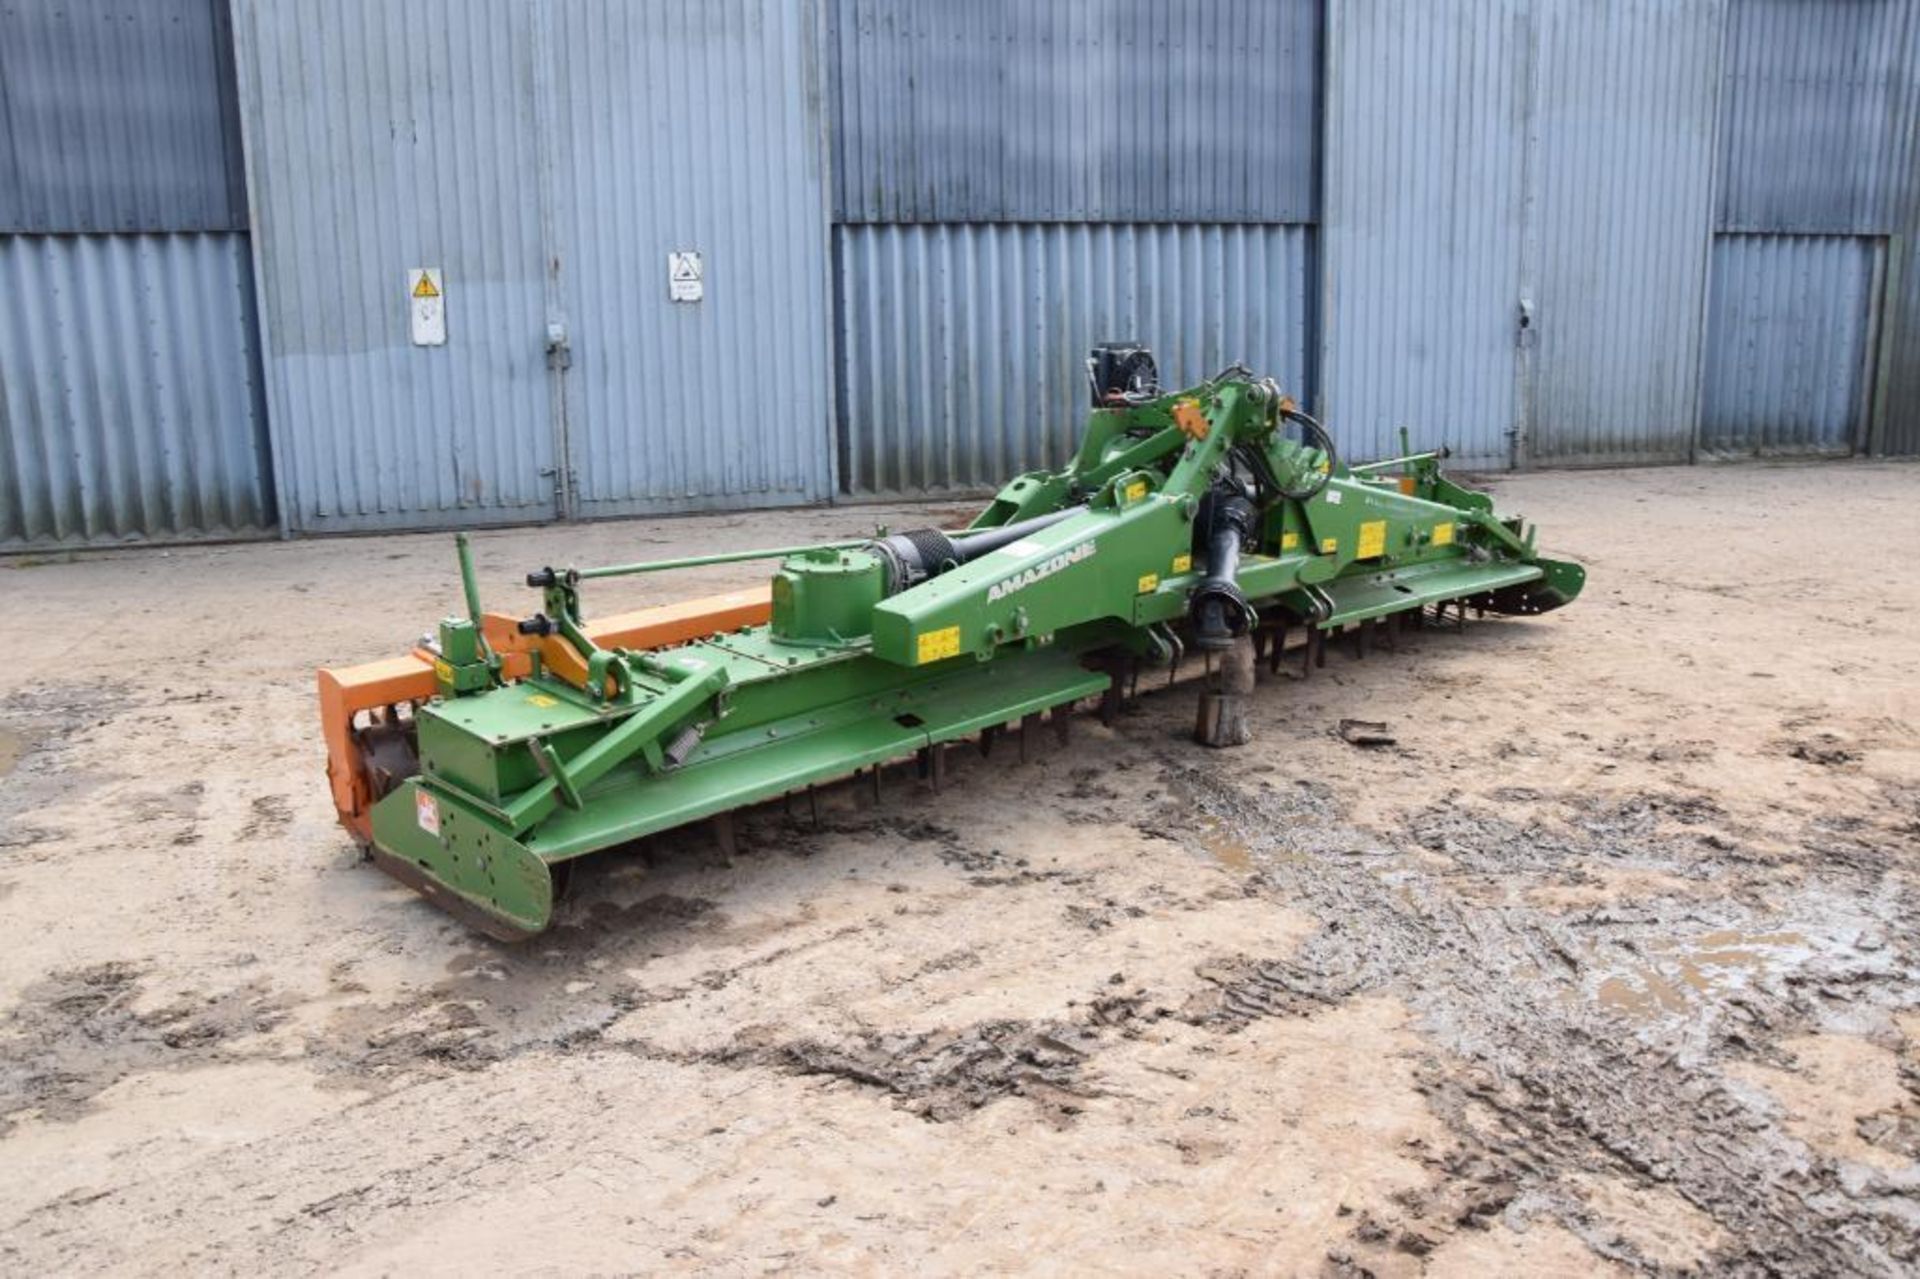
(1079, 570)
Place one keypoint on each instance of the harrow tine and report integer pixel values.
(933, 765)
(725, 837)
(1028, 723)
(1118, 669)
(1062, 716)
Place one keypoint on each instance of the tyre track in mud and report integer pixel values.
(1550, 1084)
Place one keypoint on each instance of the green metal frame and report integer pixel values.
(517, 776)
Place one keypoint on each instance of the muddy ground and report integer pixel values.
(1608, 963)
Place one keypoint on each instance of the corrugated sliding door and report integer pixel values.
(550, 163)
(691, 129)
(386, 137)
(1425, 121)
(1623, 170)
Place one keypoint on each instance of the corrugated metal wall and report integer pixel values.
(963, 347)
(128, 402)
(118, 115)
(1817, 115)
(129, 389)
(693, 126)
(1623, 167)
(1820, 131)
(1896, 425)
(1095, 111)
(1426, 111)
(1711, 209)
(1790, 344)
(1014, 182)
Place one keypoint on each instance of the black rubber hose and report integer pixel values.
(973, 545)
(1326, 446)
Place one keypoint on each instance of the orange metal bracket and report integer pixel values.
(344, 692)
(347, 691)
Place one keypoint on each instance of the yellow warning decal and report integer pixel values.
(542, 700)
(424, 289)
(1373, 540)
(1148, 581)
(1182, 563)
(1330, 546)
(442, 671)
(935, 645)
(1443, 534)
(1289, 541)
(1135, 491)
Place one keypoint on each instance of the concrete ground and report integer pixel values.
(1608, 963)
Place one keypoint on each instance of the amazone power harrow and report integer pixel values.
(1217, 519)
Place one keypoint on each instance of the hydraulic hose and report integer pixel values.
(973, 545)
(1325, 446)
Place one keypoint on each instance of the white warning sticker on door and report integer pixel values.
(426, 306)
(686, 276)
(427, 810)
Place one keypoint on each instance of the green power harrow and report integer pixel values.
(1216, 518)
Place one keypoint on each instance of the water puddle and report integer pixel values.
(1677, 975)
(1226, 847)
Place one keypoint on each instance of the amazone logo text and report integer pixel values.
(1045, 568)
